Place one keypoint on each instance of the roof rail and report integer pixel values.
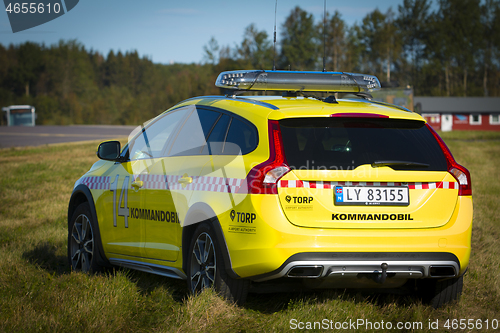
(239, 99)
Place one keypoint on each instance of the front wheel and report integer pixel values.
(82, 246)
(205, 268)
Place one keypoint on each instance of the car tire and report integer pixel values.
(206, 269)
(83, 253)
(438, 293)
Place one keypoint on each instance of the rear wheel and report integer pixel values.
(82, 246)
(438, 293)
(205, 268)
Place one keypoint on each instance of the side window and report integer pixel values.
(150, 140)
(240, 137)
(192, 137)
(215, 142)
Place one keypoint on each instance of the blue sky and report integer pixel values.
(175, 31)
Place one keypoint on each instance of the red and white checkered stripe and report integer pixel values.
(96, 183)
(425, 186)
(232, 185)
(330, 185)
(153, 182)
(206, 184)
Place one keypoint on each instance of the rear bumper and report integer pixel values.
(357, 264)
(273, 246)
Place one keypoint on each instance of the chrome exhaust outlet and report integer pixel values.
(305, 272)
(442, 271)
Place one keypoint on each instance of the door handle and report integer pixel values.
(137, 184)
(185, 180)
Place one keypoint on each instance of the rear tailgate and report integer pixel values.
(308, 198)
(365, 173)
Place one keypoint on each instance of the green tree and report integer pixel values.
(495, 85)
(335, 41)
(110, 69)
(490, 20)
(299, 47)
(256, 49)
(412, 23)
(355, 55)
(211, 51)
(25, 69)
(382, 41)
(454, 38)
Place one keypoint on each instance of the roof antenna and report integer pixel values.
(274, 44)
(324, 38)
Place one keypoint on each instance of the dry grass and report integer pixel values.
(207, 312)
(482, 283)
(38, 292)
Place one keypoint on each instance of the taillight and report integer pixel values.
(263, 178)
(461, 174)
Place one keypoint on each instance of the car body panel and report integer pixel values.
(263, 231)
(127, 237)
(267, 246)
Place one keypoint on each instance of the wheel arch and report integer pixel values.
(82, 194)
(201, 212)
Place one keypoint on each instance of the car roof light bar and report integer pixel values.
(297, 81)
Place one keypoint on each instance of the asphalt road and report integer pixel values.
(23, 136)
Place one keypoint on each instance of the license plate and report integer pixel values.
(372, 195)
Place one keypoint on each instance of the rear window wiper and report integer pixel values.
(377, 164)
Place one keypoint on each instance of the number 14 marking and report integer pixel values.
(122, 211)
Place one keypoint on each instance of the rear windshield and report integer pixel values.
(346, 143)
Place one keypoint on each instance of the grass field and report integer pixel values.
(38, 292)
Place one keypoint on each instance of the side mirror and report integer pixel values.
(109, 151)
